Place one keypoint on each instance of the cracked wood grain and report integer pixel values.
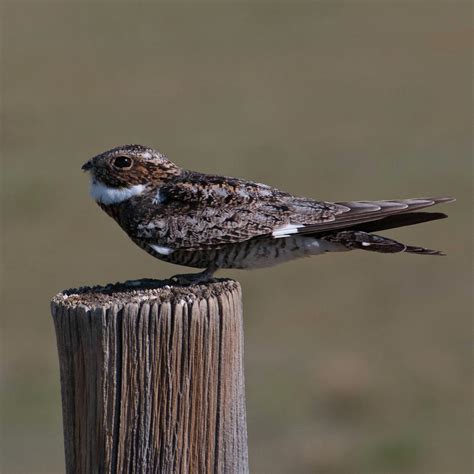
(152, 378)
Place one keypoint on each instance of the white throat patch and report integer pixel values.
(107, 195)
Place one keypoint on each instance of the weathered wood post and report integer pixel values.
(152, 378)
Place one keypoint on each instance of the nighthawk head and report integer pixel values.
(125, 171)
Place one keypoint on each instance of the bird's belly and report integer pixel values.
(270, 252)
(255, 253)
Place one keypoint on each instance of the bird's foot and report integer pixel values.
(194, 278)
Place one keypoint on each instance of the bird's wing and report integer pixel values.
(205, 212)
(360, 212)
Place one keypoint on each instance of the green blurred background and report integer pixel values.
(355, 363)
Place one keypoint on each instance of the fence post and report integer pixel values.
(152, 378)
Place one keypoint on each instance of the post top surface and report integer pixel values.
(139, 291)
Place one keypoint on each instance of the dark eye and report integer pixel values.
(122, 162)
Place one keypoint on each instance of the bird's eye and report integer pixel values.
(122, 162)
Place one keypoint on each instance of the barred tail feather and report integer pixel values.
(375, 243)
(423, 251)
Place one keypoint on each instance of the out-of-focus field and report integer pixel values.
(355, 363)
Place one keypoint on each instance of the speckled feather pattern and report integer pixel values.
(200, 212)
(202, 220)
(147, 162)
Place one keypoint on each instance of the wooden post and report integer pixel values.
(152, 378)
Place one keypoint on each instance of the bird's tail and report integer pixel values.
(357, 239)
(374, 216)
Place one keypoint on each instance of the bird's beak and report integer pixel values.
(87, 166)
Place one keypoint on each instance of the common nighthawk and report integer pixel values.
(211, 222)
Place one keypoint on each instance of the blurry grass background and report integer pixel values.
(355, 363)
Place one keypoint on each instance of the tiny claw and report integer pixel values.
(187, 279)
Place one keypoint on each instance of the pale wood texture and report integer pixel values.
(152, 378)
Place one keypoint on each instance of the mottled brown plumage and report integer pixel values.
(212, 222)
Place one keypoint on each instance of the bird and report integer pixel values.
(213, 222)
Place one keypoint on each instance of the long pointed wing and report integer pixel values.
(359, 212)
(205, 212)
